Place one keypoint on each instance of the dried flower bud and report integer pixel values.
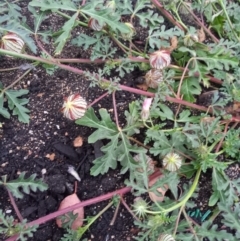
(172, 161)
(95, 25)
(12, 42)
(111, 5)
(149, 161)
(165, 237)
(190, 39)
(74, 107)
(153, 77)
(130, 34)
(146, 108)
(160, 59)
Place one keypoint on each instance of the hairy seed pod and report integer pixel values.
(160, 59)
(172, 162)
(74, 107)
(153, 77)
(12, 42)
(165, 237)
(130, 34)
(190, 39)
(95, 25)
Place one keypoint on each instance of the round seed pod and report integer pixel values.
(130, 34)
(74, 107)
(95, 25)
(190, 39)
(153, 77)
(172, 162)
(12, 42)
(165, 237)
(160, 59)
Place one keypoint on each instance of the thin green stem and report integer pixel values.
(228, 19)
(184, 200)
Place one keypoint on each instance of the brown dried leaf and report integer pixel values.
(51, 157)
(78, 141)
(201, 35)
(70, 201)
(161, 190)
(142, 87)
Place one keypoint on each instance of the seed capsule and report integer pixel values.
(95, 25)
(172, 161)
(190, 39)
(153, 77)
(12, 42)
(74, 107)
(160, 59)
(166, 237)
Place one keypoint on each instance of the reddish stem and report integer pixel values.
(164, 12)
(98, 99)
(71, 208)
(15, 206)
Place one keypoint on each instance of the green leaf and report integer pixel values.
(212, 232)
(67, 28)
(190, 87)
(27, 185)
(16, 104)
(91, 120)
(3, 111)
(164, 112)
(105, 16)
(54, 5)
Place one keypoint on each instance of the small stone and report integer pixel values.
(78, 141)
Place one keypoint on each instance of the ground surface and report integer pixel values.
(26, 147)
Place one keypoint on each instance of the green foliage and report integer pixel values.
(9, 228)
(15, 104)
(119, 147)
(26, 185)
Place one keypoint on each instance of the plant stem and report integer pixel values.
(15, 206)
(73, 207)
(184, 200)
(16, 81)
(115, 111)
(98, 99)
(115, 214)
(164, 12)
(228, 19)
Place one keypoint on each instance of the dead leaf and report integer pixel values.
(161, 190)
(142, 87)
(70, 201)
(201, 35)
(78, 141)
(51, 157)
(40, 94)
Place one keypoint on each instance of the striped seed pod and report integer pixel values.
(95, 25)
(160, 59)
(166, 237)
(153, 77)
(12, 42)
(74, 107)
(172, 162)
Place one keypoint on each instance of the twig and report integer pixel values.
(15, 207)
(129, 210)
(115, 110)
(115, 214)
(98, 99)
(224, 134)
